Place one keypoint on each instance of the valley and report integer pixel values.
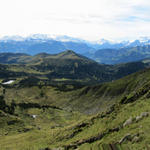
(67, 101)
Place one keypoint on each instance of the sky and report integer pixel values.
(87, 19)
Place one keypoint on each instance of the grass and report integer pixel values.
(75, 115)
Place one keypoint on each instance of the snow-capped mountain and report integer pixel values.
(38, 43)
(103, 51)
(100, 44)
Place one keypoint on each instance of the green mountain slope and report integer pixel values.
(121, 55)
(93, 117)
(66, 67)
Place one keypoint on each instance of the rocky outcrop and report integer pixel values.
(132, 138)
(136, 139)
(135, 96)
(128, 122)
(36, 105)
(127, 137)
(91, 139)
(142, 115)
(136, 119)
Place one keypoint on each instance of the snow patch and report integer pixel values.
(34, 116)
(9, 82)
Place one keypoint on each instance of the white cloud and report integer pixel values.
(88, 19)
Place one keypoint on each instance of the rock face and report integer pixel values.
(128, 122)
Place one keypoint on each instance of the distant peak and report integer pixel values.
(70, 52)
(42, 54)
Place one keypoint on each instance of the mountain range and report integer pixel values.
(103, 51)
(122, 55)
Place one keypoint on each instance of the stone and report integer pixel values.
(144, 114)
(127, 137)
(138, 118)
(136, 139)
(128, 122)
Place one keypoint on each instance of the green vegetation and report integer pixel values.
(41, 113)
(121, 55)
(64, 68)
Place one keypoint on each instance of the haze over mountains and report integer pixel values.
(104, 51)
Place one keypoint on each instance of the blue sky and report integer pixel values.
(88, 19)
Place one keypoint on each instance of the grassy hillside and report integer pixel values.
(121, 55)
(67, 67)
(93, 117)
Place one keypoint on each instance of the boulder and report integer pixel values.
(136, 139)
(138, 118)
(144, 114)
(128, 122)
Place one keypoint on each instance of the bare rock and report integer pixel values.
(136, 139)
(128, 122)
(144, 114)
(138, 118)
(127, 137)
